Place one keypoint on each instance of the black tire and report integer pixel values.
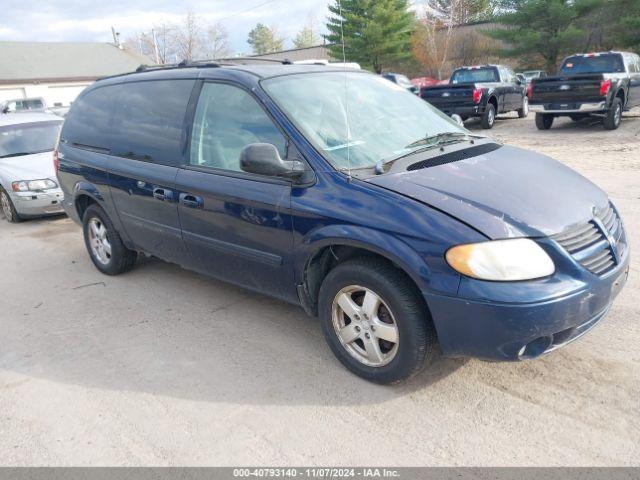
(544, 121)
(614, 115)
(417, 337)
(10, 214)
(524, 110)
(121, 259)
(489, 116)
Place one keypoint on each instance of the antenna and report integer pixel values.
(346, 92)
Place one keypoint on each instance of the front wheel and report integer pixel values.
(8, 209)
(104, 244)
(375, 321)
(544, 121)
(614, 115)
(524, 110)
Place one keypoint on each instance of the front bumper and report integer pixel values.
(36, 204)
(562, 108)
(516, 331)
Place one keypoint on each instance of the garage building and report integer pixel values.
(58, 72)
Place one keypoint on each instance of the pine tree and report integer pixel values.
(377, 33)
(542, 29)
(264, 40)
(306, 38)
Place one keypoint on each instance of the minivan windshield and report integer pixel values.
(357, 120)
(28, 138)
(606, 63)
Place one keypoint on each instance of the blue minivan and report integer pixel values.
(340, 191)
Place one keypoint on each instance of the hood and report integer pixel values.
(506, 193)
(28, 167)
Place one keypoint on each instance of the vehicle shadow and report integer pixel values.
(164, 330)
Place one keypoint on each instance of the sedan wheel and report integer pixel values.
(8, 210)
(365, 326)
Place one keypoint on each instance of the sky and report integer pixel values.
(91, 21)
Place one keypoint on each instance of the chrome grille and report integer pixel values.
(597, 244)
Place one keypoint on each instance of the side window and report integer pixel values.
(148, 120)
(87, 124)
(227, 120)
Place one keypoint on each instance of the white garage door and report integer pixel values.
(11, 93)
(63, 95)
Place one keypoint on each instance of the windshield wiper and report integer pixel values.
(17, 154)
(440, 138)
(426, 143)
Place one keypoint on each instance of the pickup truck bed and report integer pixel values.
(579, 92)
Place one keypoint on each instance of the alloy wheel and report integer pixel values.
(100, 246)
(6, 206)
(365, 326)
(617, 115)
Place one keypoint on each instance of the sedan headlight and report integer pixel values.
(501, 260)
(33, 185)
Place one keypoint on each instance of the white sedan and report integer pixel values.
(28, 185)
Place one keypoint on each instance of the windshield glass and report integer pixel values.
(476, 75)
(27, 138)
(535, 74)
(609, 63)
(383, 119)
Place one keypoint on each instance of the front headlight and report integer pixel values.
(33, 185)
(501, 260)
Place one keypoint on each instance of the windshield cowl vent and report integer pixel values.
(455, 156)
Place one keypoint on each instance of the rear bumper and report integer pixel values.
(464, 111)
(37, 204)
(512, 331)
(567, 108)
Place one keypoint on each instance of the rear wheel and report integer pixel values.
(524, 110)
(544, 121)
(104, 244)
(375, 321)
(9, 211)
(489, 116)
(614, 115)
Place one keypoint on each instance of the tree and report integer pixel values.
(264, 40)
(191, 39)
(306, 38)
(376, 33)
(216, 44)
(188, 37)
(458, 12)
(540, 31)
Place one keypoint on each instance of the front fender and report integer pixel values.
(375, 241)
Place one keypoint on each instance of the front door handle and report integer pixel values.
(162, 194)
(191, 201)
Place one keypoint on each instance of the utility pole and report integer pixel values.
(155, 46)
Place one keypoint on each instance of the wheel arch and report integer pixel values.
(325, 250)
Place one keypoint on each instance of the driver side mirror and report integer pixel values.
(264, 159)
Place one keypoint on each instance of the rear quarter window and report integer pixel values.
(87, 124)
(149, 119)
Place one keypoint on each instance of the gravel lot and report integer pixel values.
(166, 367)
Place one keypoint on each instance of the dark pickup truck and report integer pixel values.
(480, 91)
(592, 84)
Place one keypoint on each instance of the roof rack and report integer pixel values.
(241, 60)
(217, 63)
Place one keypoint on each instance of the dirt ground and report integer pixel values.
(166, 367)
